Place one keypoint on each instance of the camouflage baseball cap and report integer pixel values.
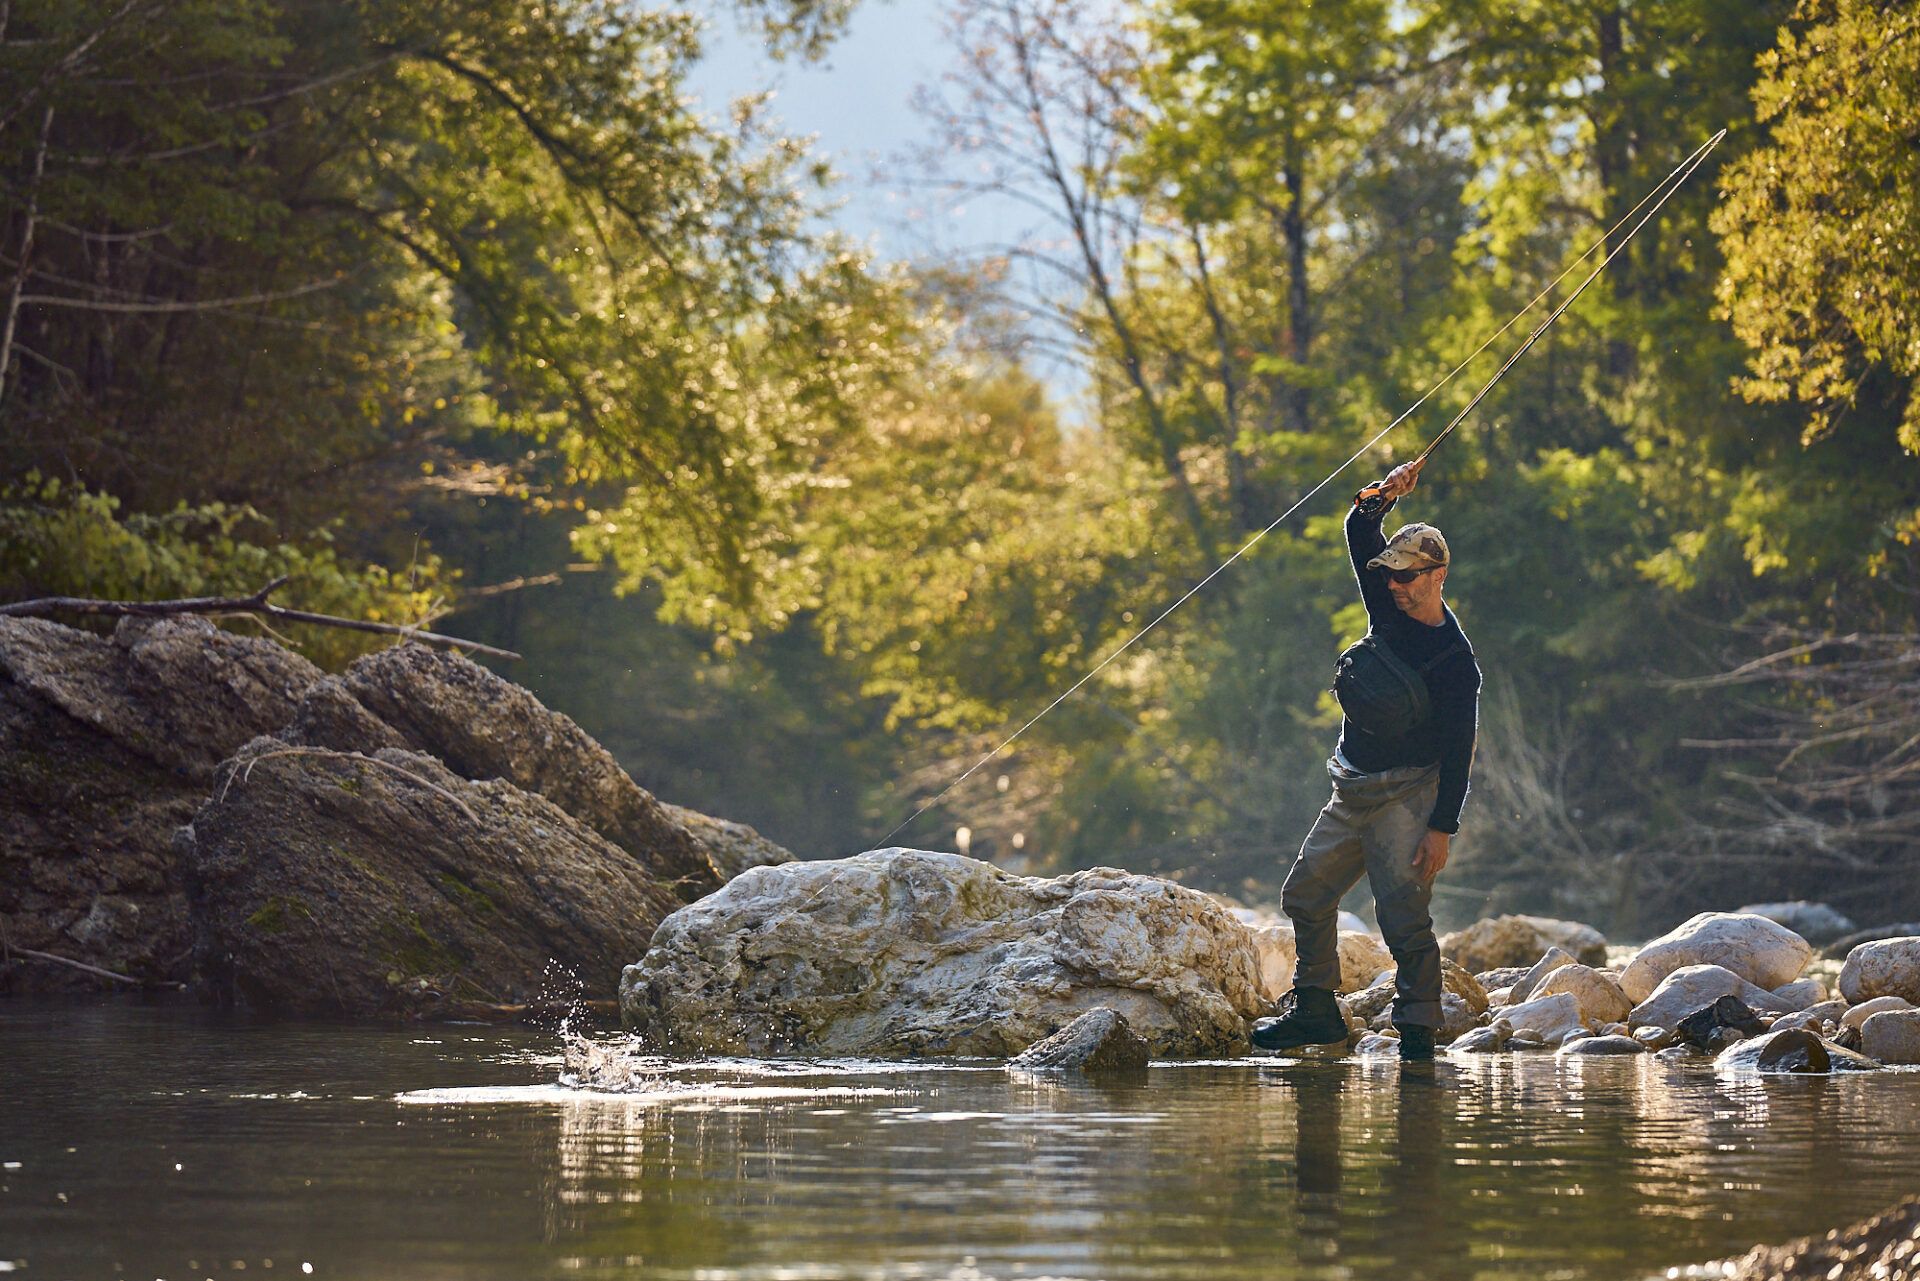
(1414, 546)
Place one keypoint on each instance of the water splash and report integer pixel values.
(605, 1069)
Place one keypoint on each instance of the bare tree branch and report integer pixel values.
(223, 606)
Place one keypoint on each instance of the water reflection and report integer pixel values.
(177, 1140)
(1324, 1169)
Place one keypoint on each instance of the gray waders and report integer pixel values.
(1372, 825)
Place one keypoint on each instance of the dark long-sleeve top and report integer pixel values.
(1446, 736)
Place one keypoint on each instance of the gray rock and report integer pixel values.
(1520, 940)
(1482, 1040)
(1601, 1045)
(1694, 987)
(325, 882)
(1376, 1045)
(1801, 994)
(1457, 1017)
(1821, 1018)
(1764, 953)
(1101, 1040)
(1885, 967)
(1716, 1026)
(1795, 1050)
(106, 746)
(1840, 947)
(1817, 923)
(1551, 1018)
(1504, 976)
(1892, 1036)
(1601, 1000)
(1551, 960)
(908, 952)
(483, 726)
(1856, 1015)
(729, 848)
(1373, 1002)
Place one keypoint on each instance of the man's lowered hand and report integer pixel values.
(1431, 856)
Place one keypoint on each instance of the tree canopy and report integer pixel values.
(463, 305)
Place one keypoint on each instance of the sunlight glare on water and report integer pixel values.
(170, 1143)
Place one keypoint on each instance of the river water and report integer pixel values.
(170, 1143)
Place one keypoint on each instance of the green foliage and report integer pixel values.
(400, 261)
(317, 242)
(62, 540)
(1822, 222)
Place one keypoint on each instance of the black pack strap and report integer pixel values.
(1443, 656)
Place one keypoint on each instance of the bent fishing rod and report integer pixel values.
(1657, 197)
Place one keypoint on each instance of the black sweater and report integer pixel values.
(1446, 736)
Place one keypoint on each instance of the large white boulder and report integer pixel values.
(1552, 1018)
(1892, 1036)
(1362, 955)
(1694, 987)
(1762, 952)
(1521, 940)
(906, 952)
(1889, 967)
(1600, 998)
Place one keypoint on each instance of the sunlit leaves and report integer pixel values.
(1822, 223)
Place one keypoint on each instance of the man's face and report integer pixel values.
(1416, 596)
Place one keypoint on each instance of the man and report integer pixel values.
(1396, 796)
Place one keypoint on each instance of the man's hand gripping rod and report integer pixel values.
(1374, 493)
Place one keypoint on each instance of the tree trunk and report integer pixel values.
(1293, 226)
(1613, 157)
(25, 253)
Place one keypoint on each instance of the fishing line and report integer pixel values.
(1671, 183)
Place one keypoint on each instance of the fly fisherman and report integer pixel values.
(1410, 693)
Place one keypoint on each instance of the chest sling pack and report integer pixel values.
(1382, 693)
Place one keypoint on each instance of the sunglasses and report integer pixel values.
(1404, 576)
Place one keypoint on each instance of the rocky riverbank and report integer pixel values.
(1884, 1248)
(911, 952)
(416, 835)
(183, 805)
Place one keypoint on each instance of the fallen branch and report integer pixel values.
(12, 951)
(530, 1012)
(217, 606)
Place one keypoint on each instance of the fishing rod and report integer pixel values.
(1689, 165)
(1663, 190)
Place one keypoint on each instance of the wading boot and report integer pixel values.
(1308, 1016)
(1416, 1044)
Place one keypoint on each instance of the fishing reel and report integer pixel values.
(1372, 500)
